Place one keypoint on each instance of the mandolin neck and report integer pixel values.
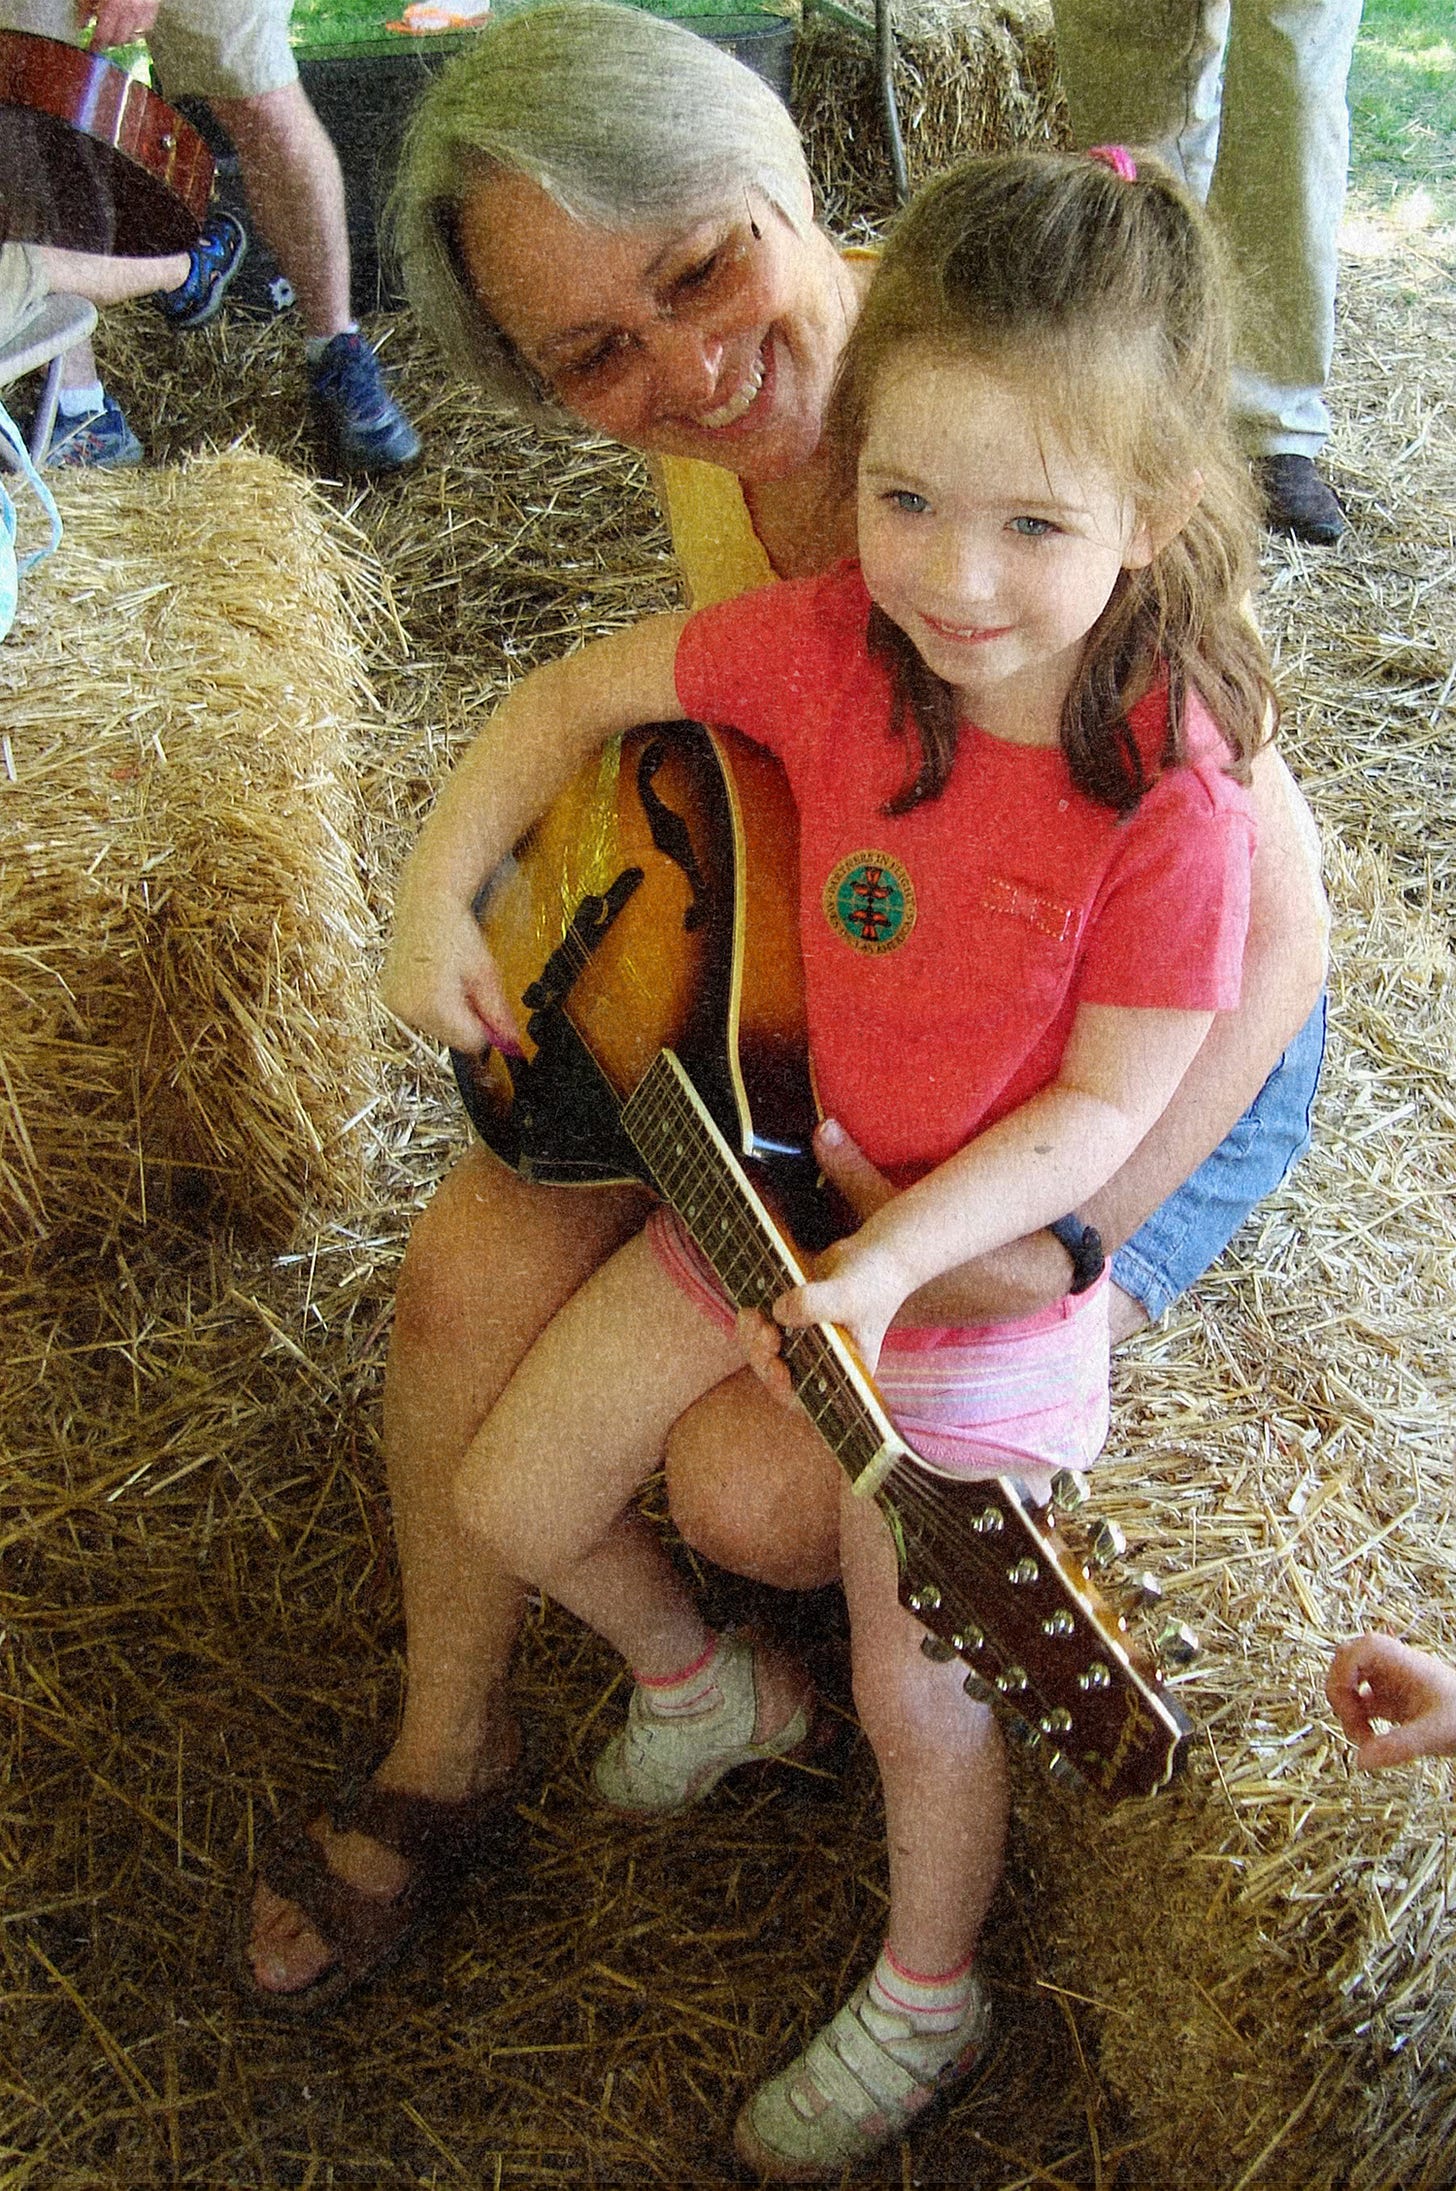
(698, 1173)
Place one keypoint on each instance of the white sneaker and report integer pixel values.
(664, 1764)
(857, 2085)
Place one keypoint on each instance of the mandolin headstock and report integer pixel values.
(998, 1582)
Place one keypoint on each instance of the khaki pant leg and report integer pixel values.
(1278, 194)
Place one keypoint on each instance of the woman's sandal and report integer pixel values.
(442, 1842)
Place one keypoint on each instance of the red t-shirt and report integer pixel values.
(946, 950)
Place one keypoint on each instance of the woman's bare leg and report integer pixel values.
(487, 1266)
(755, 1488)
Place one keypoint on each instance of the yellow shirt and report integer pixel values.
(718, 551)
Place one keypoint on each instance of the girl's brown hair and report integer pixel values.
(1107, 301)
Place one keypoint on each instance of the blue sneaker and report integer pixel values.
(102, 438)
(365, 428)
(216, 256)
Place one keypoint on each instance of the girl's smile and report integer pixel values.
(717, 339)
(992, 546)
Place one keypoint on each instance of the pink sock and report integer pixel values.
(686, 1694)
(928, 2004)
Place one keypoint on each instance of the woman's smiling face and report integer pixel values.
(714, 339)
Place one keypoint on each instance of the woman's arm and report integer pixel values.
(1283, 973)
(1118, 1073)
(438, 975)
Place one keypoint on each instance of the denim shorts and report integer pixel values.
(1192, 1228)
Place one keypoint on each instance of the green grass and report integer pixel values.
(1403, 107)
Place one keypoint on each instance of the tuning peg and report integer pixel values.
(1097, 1676)
(968, 1638)
(1149, 1589)
(925, 1599)
(1022, 1573)
(933, 1648)
(1058, 1721)
(976, 1686)
(1179, 1643)
(1012, 1680)
(1069, 1489)
(1107, 1544)
(1061, 1768)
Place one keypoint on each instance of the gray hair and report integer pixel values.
(626, 120)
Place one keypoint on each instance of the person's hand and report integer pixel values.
(118, 22)
(1378, 1677)
(865, 1190)
(440, 977)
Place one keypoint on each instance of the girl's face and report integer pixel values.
(992, 547)
(705, 340)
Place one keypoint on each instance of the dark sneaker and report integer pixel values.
(216, 256)
(1298, 501)
(99, 439)
(365, 428)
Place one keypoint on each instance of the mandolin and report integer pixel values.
(91, 159)
(648, 924)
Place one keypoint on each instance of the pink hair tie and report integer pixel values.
(1118, 158)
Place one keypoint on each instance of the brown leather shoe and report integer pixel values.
(1298, 501)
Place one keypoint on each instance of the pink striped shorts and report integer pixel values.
(1016, 1399)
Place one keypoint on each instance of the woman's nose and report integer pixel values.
(688, 361)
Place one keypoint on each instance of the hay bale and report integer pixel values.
(186, 945)
(970, 76)
(1269, 1948)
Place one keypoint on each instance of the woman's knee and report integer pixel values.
(752, 1490)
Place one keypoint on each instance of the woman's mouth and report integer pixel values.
(739, 404)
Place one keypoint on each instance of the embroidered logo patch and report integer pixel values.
(869, 899)
(1021, 903)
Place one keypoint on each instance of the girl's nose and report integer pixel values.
(964, 569)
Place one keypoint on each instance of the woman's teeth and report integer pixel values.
(737, 403)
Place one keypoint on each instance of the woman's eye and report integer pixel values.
(905, 498)
(594, 362)
(697, 277)
(1033, 528)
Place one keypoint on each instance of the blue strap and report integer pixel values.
(15, 441)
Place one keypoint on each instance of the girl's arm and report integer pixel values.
(1117, 1075)
(1377, 1677)
(438, 975)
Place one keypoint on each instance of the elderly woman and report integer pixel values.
(608, 220)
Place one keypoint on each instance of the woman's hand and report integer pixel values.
(1378, 1677)
(855, 1283)
(440, 977)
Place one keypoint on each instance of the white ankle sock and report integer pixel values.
(687, 1694)
(934, 2005)
(81, 402)
(314, 346)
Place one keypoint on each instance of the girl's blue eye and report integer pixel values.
(903, 498)
(1033, 528)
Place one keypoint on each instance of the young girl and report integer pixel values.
(1021, 721)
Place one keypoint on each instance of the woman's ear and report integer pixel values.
(1153, 532)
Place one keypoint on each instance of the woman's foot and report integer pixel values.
(759, 1707)
(344, 1900)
